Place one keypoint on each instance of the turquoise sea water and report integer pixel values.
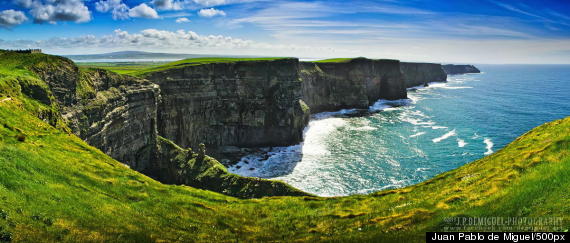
(439, 128)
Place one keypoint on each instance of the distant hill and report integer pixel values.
(142, 55)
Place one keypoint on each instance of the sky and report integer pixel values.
(444, 31)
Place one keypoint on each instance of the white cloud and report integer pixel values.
(211, 12)
(168, 4)
(118, 9)
(210, 2)
(10, 18)
(143, 11)
(107, 5)
(51, 11)
(182, 20)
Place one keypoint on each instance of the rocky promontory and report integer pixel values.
(422, 73)
(352, 83)
(460, 69)
(229, 104)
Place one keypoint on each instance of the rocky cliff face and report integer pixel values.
(116, 114)
(460, 69)
(421, 73)
(245, 104)
(357, 83)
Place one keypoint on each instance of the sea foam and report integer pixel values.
(461, 143)
(382, 105)
(444, 136)
(417, 134)
(488, 145)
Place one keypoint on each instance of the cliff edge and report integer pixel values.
(460, 69)
(417, 74)
(336, 84)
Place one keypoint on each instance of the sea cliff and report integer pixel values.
(422, 73)
(243, 103)
(460, 69)
(353, 83)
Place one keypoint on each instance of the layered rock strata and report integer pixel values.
(460, 69)
(115, 113)
(244, 103)
(357, 83)
(416, 74)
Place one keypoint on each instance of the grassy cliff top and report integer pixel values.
(18, 64)
(335, 60)
(346, 60)
(141, 68)
(199, 61)
(120, 67)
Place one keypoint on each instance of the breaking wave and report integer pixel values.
(488, 145)
(444, 136)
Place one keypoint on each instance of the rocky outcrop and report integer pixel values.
(183, 166)
(61, 75)
(356, 83)
(116, 114)
(243, 103)
(417, 74)
(460, 69)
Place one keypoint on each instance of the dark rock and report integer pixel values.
(417, 74)
(332, 86)
(460, 69)
(119, 119)
(201, 151)
(244, 104)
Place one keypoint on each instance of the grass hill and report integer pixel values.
(56, 188)
(141, 68)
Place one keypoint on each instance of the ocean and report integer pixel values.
(439, 128)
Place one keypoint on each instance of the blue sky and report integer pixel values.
(467, 31)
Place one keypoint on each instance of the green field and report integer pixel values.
(121, 67)
(335, 60)
(141, 68)
(56, 188)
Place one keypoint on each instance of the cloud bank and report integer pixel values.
(10, 18)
